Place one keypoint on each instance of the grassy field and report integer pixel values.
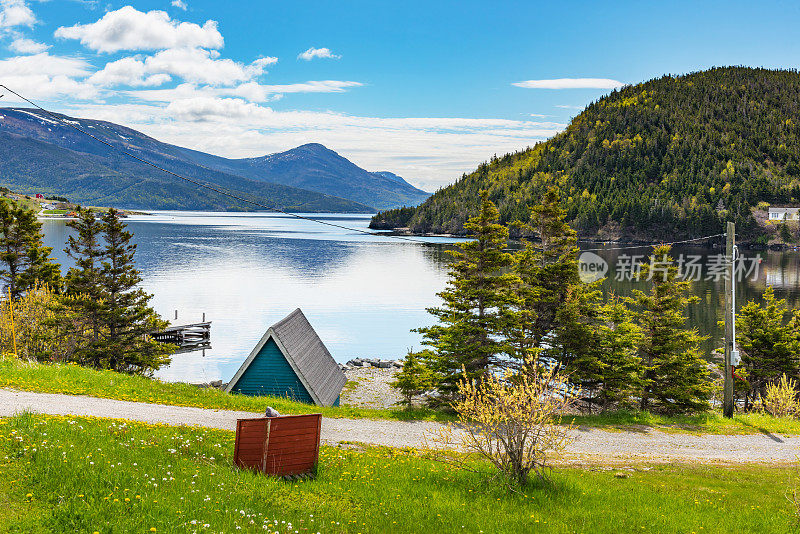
(99, 475)
(76, 380)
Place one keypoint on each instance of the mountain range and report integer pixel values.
(670, 158)
(43, 154)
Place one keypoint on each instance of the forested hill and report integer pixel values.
(672, 157)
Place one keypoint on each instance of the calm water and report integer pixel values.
(362, 294)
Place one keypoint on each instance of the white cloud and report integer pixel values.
(15, 13)
(256, 92)
(568, 106)
(209, 108)
(195, 65)
(571, 83)
(428, 151)
(44, 63)
(27, 46)
(311, 53)
(127, 71)
(130, 29)
(42, 76)
(180, 4)
(251, 91)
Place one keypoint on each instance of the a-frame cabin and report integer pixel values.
(290, 361)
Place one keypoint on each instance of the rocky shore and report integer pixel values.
(369, 383)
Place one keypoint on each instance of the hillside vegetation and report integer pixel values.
(673, 157)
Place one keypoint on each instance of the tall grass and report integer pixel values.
(92, 475)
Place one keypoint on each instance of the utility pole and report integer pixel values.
(727, 402)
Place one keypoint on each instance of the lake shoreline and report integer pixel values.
(615, 243)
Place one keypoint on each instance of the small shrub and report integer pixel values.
(414, 379)
(781, 398)
(32, 326)
(510, 420)
(785, 233)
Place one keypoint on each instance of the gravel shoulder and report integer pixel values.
(590, 445)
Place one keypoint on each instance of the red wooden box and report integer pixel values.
(285, 445)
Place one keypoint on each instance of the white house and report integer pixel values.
(784, 214)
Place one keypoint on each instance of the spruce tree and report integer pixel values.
(784, 233)
(598, 348)
(415, 378)
(26, 261)
(547, 270)
(769, 341)
(619, 343)
(84, 283)
(675, 376)
(580, 355)
(465, 343)
(126, 317)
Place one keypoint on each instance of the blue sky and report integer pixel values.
(424, 89)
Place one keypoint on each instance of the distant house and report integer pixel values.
(784, 214)
(290, 361)
(39, 195)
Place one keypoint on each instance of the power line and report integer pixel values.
(216, 189)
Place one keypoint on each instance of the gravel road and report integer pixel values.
(590, 445)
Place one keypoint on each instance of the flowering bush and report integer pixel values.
(781, 398)
(512, 420)
(33, 326)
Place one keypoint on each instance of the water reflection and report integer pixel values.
(778, 269)
(362, 294)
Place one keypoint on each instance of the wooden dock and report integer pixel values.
(188, 338)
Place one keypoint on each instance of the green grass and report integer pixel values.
(705, 423)
(101, 475)
(54, 212)
(75, 380)
(17, 513)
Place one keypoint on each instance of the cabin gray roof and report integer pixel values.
(306, 354)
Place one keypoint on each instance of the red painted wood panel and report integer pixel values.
(307, 446)
(280, 432)
(292, 438)
(286, 445)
